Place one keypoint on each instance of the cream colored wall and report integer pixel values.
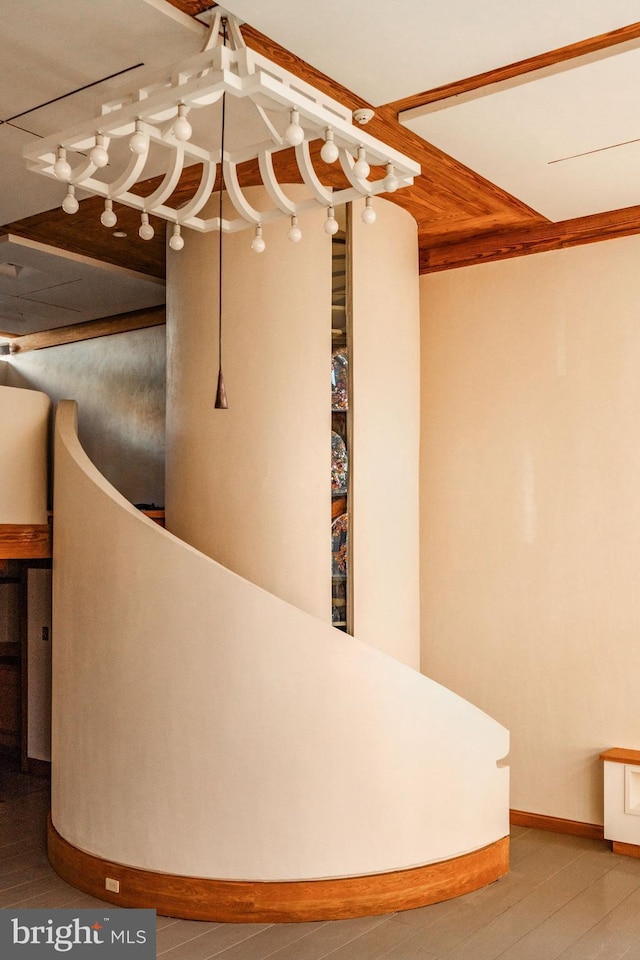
(204, 727)
(250, 486)
(118, 382)
(386, 431)
(24, 420)
(530, 492)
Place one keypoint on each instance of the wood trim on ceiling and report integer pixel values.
(519, 69)
(538, 238)
(192, 7)
(89, 330)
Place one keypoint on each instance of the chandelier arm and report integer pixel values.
(81, 172)
(273, 133)
(129, 176)
(170, 180)
(324, 195)
(213, 36)
(202, 194)
(273, 188)
(240, 202)
(347, 163)
(236, 39)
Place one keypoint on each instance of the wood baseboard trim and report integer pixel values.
(234, 901)
(626, 849)
(573, 828)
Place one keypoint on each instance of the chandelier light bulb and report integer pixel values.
(70, 204)
(139, 142)
(361, 168)
(294, 134)
(257, 244)
(99, 156)
(146, 231)
(391, 182)
(329, 150)
(182, 129)
(176, 241)
(368, 214)
(62, 167)
(295, 233)
(108, 217)
(331, 225)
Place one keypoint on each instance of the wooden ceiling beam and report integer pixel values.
(89, 330)
(538, 238)
(550, 59)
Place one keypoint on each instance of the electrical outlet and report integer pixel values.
(112, 885)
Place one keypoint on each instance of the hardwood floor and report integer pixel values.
(566, 898)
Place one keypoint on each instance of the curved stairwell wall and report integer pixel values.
(209, 722)
(205, 728)
(24, 419)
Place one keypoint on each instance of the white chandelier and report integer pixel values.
(164, 127)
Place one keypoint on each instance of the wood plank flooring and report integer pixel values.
(565, 899)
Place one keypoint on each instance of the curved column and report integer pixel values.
(385, 440)
(249, 485)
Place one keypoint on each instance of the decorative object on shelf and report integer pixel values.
(338, 506)
(165, 125)
(339, 464)
(339, 541)
(339, 380)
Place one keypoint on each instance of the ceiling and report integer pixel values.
(522, 115)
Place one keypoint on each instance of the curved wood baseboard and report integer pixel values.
(235, 901)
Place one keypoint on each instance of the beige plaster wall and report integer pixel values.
(530, 491)
(386, 431)
(119, 383)
(24, 421)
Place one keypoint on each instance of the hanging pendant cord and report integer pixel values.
(224, 43)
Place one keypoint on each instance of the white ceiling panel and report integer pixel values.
(42, 287)
(50, 50)
(75, 42)
(385, 51)
(566, 141)
(24, 193)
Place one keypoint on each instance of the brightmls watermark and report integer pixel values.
(79, 934)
